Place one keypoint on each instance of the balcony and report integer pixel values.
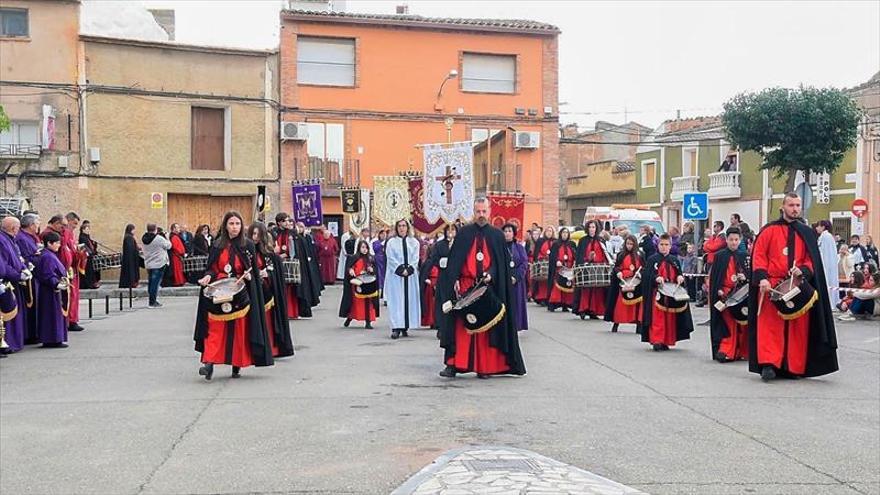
(334, 174)
(682, 185)
(20, 151)
(724, 185)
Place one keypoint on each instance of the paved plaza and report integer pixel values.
(123, 411)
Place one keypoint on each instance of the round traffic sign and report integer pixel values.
(859, 207)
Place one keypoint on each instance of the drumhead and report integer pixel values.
(471, 297)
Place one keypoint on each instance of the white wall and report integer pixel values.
(750, 211)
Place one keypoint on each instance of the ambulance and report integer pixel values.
(632, 216)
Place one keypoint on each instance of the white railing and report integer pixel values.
(31, 151)
(682, 185)
(724, 185)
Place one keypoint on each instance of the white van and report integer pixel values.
(632, 216)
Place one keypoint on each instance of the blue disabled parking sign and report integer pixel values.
(695, 206)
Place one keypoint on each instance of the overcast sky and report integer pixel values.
(646, 58)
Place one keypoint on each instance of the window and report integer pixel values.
(326, 150)
(23, 133)
(649, 173)
(689, 166)
(488, 73)
(208, 138)
(13, 22)
(325, 61)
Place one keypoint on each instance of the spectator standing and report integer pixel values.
(155, 260)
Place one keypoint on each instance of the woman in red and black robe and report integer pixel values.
(590, 301)
(540, 288)
(356, 305)
(238, 338)
(429, 274)
(618, 308)
(561, 257)
(274, 303)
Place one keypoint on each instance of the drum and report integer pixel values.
(195, 264)
(630, 289)
(106, 261)
(672, 298)
(737, 302)
(592, 275)
(539, 270)
(365, 285)
(793, 297)
(8, 305)
(227, 299)
(565, 279)
(479, 308)
(291, 271)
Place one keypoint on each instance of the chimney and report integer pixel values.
(165, 19)
(403, 9)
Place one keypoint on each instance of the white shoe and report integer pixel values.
(846, 317)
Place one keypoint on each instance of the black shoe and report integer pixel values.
(657, 347)
(73, 327)
(664, 347)
(60, 345)
(395, 334)
(403, 333)
(236, 372)
(551, 308)
(448, 372)
(721, 357)
(207, 371)
(368, 326)
(583, 316)
(594, 317)
(768, 373)
(614, 327)
(565, 309)
(347, 322)
(438, 334)
(481, 376)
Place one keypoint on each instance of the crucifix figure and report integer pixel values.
(447, 181)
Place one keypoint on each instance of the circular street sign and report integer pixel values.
(859, 207)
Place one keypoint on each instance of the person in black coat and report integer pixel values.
(661, 325)
(130, 272)
(272, 277)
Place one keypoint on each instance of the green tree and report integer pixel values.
(805, 129)
(4, 120)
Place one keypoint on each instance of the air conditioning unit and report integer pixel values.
(527, 140)
(294, 131)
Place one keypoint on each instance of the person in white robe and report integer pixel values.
(401, 280)
(343, 256)
(828, 253)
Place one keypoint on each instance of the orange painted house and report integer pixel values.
(367, 90)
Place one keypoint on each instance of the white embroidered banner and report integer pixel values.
(449, 182)
(392, 199)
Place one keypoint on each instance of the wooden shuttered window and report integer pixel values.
(208, 138)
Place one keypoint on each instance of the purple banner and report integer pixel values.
(307, 204)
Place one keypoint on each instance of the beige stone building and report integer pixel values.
(867, 96)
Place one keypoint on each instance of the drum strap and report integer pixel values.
(790, 245)
(480, 244)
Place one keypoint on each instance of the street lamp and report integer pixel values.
(451, 75)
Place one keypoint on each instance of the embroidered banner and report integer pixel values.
(351, 200)
(307, 204)
(417, 200)
(391, 201)
(361, 219)
(449, 182)
(507, 208)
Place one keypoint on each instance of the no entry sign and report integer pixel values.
(859, 207)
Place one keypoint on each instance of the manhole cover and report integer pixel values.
(515, 465)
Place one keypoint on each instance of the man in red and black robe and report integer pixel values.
(71, 258)
(479, 253)
(729, 336)
(805, 345)
(661, 325)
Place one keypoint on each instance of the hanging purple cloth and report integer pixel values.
(379, 258)
(520, 261)
(51, 324)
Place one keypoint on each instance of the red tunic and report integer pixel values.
(282, 242)
(472, 351)
(362, 308)
(542, 292)
(177, 252)
(781, 343)
(663, 323)
(328, 251)
(736, 344)
(430, 298)
(559, 295)
(592, 300)
(627, 311)
(227, 341)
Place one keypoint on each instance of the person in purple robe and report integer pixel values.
(15, 271)
(519, 265)
(29, 244)
(50, 272)
(379, 259)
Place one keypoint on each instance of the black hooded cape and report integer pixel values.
(537, 252)
(554, 257)
(257, 335)
(717, 329)
(580, 258)
(504, 335)
(684, 324)
(613, 290)
(129, 273)
(440, 250)
(308, 291)
(822, 341)
(281, 326)
(347, 288)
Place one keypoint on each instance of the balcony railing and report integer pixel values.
(334, 174)
(724, 185)
(26, 151)
(682, 185)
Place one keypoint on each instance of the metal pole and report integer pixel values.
(120, 301)
(90, 308)
(107, 304)
(130, 291)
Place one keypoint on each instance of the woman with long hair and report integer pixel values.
(590, 301)
(359, 304)
(519, 267)
(561, 258)
(401, 282)
(202, 241)
(130, 273)
(89, 277)
(429, 274)
(625, 307)
(232, 333)
(541, 288)
(272, 278)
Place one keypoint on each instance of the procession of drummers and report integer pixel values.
(771, 307)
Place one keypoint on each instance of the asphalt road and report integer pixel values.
(123, 411)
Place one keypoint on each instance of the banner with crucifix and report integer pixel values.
(449, 182)
(417, 200)
(307, 204)
(391, 199)
(361, 220)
